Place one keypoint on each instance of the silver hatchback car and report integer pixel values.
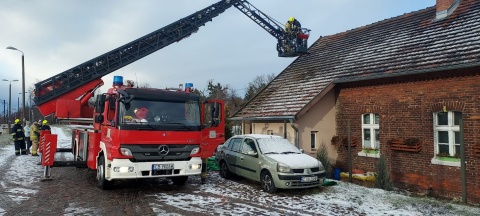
(271, 160)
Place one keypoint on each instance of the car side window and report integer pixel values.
(235, 145)
(248, 145)
(227, 144)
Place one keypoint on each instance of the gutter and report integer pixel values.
(297, 139)
(262, 118)
(422, 71)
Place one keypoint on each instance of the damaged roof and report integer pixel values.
(411, 43)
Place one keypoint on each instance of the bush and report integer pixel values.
(382, 175)
(322, 156)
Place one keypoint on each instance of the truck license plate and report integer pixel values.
(162, 166)
(309, 179)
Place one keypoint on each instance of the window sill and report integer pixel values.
(366, 154)
(445, 163)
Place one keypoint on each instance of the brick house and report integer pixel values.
(403, 85)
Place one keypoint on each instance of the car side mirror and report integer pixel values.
(251, 153)
(303, 151)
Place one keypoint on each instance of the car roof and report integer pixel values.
(258, 136)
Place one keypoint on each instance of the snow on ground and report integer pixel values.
(343, 199)
(231, 197)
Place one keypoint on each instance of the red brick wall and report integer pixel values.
(406, 107)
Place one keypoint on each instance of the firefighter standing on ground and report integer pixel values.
(26, 129)
(34, 134)
(19, 138)
(45, 125)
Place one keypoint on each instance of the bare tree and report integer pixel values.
(255, 86)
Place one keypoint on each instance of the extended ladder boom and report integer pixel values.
(100, 66)
(262, 19)
(74, 83)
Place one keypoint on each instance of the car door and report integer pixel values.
(231, 154)
(248, 165)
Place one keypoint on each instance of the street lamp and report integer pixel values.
(9, 101)
(23, 82)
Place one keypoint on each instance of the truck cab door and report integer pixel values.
(213, 126)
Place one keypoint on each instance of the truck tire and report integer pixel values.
(102, 183)
(180, 180)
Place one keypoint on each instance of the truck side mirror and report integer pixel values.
(99, 118)
(100, 104)
(111, 103)
(215, 114)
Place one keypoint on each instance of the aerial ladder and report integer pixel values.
(80, 82)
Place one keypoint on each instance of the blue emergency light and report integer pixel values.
(118, 81)
(188, 86)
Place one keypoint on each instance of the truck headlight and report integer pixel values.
(126, 152)
(195, 150)
(283, 168)
(195, 166)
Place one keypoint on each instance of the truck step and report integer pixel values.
(78, 164)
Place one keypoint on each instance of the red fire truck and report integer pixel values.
(131, 133)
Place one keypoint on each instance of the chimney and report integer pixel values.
(446, 7)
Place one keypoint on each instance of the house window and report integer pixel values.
(370, 131)
(447, 133)
(269, 132)
(313, 140)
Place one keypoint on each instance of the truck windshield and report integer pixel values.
(160, 115)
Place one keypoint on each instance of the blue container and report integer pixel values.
(118, 81)
(336, 173)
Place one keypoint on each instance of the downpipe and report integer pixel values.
(297, 139)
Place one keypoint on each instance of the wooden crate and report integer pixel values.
(407, 148)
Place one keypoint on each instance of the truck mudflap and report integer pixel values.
(125, 169)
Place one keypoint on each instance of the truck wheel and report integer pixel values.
(224, 172)
(102, 183)
(180, 180)
(267, 182)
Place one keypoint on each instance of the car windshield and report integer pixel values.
(160, 115)
(277, 146)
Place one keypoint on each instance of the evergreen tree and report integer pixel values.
(322, 156)
(382, 175)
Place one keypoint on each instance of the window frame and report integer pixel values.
(451, 128)
(372, 126)
(313, 140)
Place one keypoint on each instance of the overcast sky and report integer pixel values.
(56, 35)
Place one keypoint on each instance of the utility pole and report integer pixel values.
(4, 115)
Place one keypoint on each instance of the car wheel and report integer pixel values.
(267, 182)
(224, 172)
(102, 183)
(180, 180)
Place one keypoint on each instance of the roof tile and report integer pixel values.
(408, 43)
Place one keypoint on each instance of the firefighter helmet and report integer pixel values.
(17, 121)
(291, 19)
(44, 122)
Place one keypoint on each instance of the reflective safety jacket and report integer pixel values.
(34, 131)
(17, 132)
